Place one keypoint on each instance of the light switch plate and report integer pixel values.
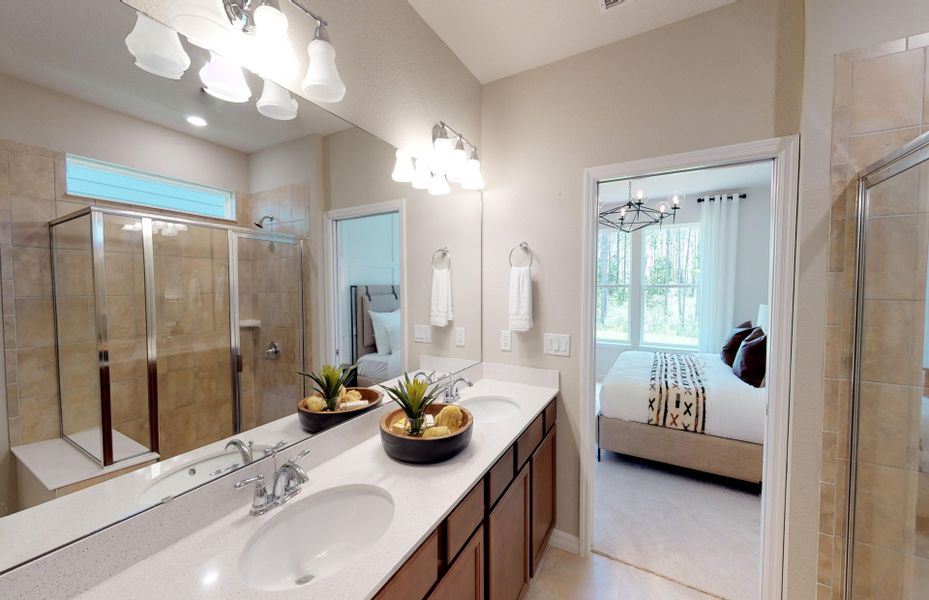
(506, 340)
(460, 337)
(422, 334)
(557, 344)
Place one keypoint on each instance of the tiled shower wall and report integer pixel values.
(881, 101)
(32, 192)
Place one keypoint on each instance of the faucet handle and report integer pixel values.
(303, 454)
(258, 480)
(273, 449)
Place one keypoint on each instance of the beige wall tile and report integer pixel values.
(4, 179)
(39, 418)
(890, 261)
(34, 322)
(921, 521)
(896, 196)
(30, 217)
(889, 425)
(885, 507)
(120, 274)
(32, 175)
(80, 409)
(878, 573)
(76, 320)
(891, 352)
(827, 512)
(78, 365)
(37, 372)
(32, 271)
(863, 150)
(887, 92)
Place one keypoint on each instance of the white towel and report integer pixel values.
(440, 309)
(520, 299)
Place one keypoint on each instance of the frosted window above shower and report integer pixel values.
(90, 178)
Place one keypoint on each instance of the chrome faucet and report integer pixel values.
(286, 485)
(244, 449)
(451, 390)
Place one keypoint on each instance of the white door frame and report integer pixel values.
(327, 293)
(785, 155)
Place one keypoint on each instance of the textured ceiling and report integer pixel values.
(497, 38)
(78, 49)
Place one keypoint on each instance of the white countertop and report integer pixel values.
(204, 564)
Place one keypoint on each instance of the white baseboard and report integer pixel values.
(565, 541)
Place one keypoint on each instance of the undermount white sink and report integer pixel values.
(490, 408)
(188, 476)
(316, 537)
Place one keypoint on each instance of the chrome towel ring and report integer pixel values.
(442, 253)
(525, 248)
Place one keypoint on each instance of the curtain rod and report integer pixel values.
(729, 197)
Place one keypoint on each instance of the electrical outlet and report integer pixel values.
(506, 340)
(460, 337)
(557, 344)
(422, 334)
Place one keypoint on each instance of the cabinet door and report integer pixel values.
(465, 578)
(508, 542)
(543, 497)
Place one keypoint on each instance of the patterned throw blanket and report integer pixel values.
(676, 394)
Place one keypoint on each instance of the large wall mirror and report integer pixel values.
(171, 259)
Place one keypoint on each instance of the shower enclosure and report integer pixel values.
(160, 322)
(887, 555)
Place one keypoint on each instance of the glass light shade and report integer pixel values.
(404, 171)
(274, 57)
(456, 163)
(471, 177)
(203, 22)
(423, 177)
(439, 186)
(322, 82)
(276, 102)
(224, 79)
(157, 49)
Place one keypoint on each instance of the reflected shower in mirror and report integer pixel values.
(165, 273)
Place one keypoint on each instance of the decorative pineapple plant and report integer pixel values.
(414, 397)
(329, 384)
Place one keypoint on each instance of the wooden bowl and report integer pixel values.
(317, 421)
(425, 450)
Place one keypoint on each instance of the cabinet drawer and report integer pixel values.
(466, 517)
(527, 442)
(500, 476)
(551, 413)
(416, 576)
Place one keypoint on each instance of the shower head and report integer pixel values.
(260, 223)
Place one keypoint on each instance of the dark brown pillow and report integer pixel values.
(750, 360)
(733, 341)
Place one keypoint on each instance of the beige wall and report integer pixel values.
(705, 82)
(400, 77)
(37, 116)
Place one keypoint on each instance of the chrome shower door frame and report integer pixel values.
(909, 156)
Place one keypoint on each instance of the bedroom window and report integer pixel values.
(670, 285)
(613, 286)
(648, 283)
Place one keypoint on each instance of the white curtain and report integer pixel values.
(719, 234)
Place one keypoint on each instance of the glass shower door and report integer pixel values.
(889, 474)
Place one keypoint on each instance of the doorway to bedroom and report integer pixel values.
(366, 299)
(682, 294)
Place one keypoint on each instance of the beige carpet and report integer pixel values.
(700, 532)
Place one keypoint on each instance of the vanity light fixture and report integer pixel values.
(196, 121)
(322, 82)
(471, 177)
(157, 49)
(276, 102)
(423, 177)
(274, 56)
(404, 171)
(202, 22)
(224, 80)
(438, 186)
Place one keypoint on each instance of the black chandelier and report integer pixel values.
(635, 215)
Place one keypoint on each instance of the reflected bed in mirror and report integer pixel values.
(163, 282)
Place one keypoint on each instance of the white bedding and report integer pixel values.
(379, 366)
(734, 409)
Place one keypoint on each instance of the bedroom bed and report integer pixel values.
(732, 424)
(374, 364)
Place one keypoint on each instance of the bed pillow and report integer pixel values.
(733, 341)
(394, 333)
(750, 360)
(379, 322)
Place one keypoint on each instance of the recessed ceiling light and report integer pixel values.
(196, 121)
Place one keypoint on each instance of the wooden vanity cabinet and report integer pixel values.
(508, 549)
(491, 543)
(543, 497)
(465, 578)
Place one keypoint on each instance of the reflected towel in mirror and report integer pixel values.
(440, 309)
